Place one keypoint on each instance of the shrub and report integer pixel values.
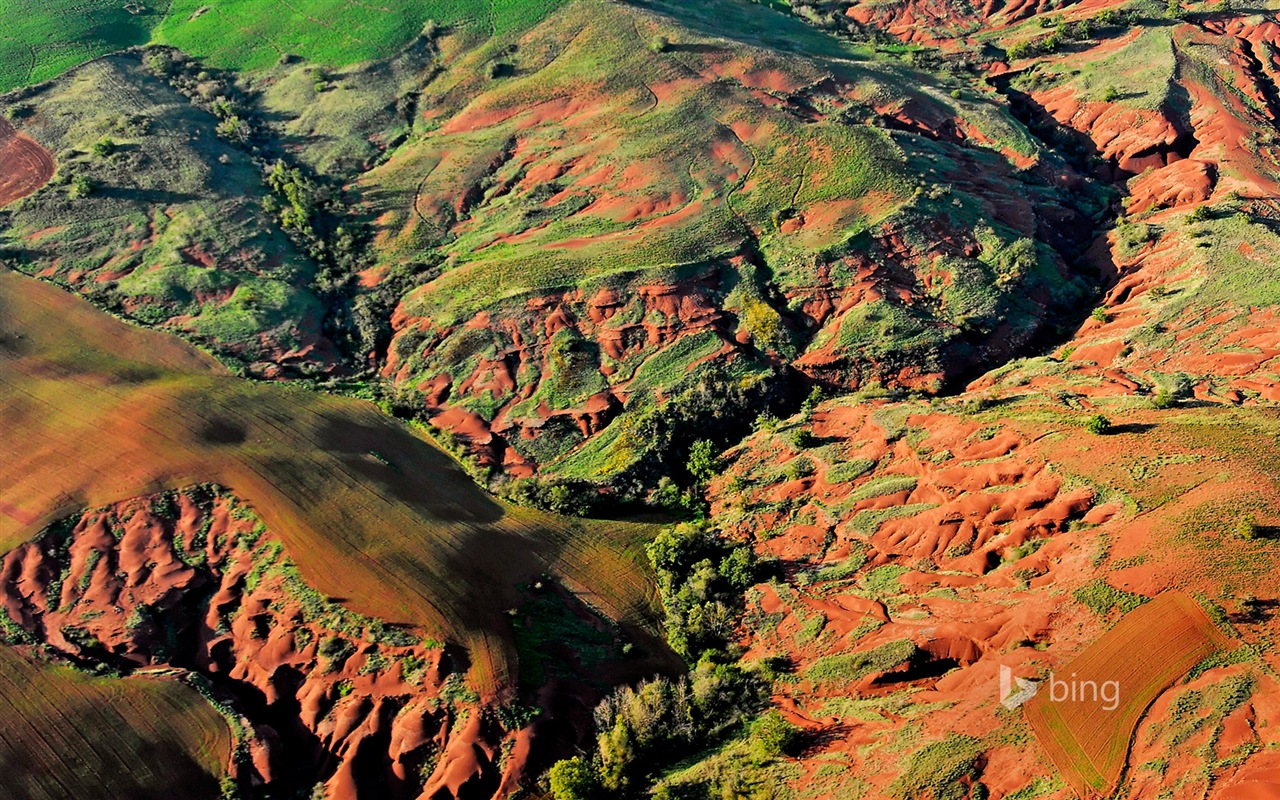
(1199, 214)
(660, 44)
(80, 187)
(772, 736)
(1110, 94)
(233, 129)
(104, 147)
(335, 651)
(800, 467)
(1100, 314)
(801, 438)
(1098, 425)
(160, 63)
(1247, 527)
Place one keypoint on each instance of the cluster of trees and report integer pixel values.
(567, 496)
(657, 439)
(1065, 32)
(641, 729)
(659, 722)
(702, 578)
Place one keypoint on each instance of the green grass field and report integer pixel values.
(68, 736)
(41, 40)
(372, 513)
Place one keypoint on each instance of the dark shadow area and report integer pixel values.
(1130, 427)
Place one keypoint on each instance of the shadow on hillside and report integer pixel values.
(750, 24)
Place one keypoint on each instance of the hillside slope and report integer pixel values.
(592, 242)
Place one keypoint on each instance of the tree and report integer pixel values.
(233, 129)
(703, 462)
(573, 779)
(1200, 213)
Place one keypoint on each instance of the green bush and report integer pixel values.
(104, 147)
(772, 736)
(1098, 425)
(801, 438)
(1247, 527)
(1199, 214)
(80, 187)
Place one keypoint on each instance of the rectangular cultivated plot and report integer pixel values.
(68, 735)
(1143, 655)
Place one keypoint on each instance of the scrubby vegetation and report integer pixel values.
(1108, 22)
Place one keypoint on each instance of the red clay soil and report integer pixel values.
(25, 166)
(966, 540)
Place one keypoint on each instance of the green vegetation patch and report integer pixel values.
(880, 487)
(849, 471)
(937, 770)
(847, 668)
(557, 636)
(1101, 597)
